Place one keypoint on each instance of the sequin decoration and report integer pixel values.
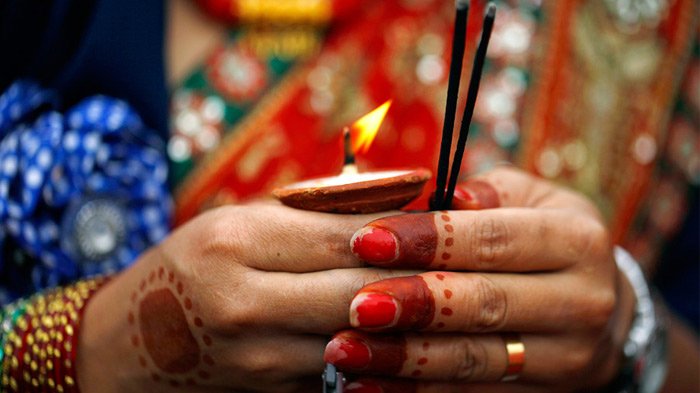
(238, 74)
(635, 13)
(197, 124)
(81, 193)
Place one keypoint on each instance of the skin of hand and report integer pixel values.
(518, 254)
(239, 299)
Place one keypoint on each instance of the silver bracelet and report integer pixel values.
(644, 363)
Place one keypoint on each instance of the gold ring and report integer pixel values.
(515, 350)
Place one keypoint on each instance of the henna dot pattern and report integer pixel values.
(449, 240)
(173, 351)
(421, 361)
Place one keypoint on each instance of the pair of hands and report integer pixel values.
(246, 298)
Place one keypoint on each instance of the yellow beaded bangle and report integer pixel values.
(41, 347)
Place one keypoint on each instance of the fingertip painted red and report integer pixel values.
(475, 195)
(347, 353)
(374, 310)
(376, 245)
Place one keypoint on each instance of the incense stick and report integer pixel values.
(458, 44)
(472, 94)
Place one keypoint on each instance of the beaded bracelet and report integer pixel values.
(39, 337)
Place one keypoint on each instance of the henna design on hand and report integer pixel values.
(449, 239)
(381, 354)
(166, 335)
(409, 241)
(415, 304)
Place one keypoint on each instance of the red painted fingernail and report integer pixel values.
(463, 195)
(363, 387)
(371, 310)
(373, 244)
(475, 195)
(347, 353)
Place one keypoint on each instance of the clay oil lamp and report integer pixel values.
(354, 191)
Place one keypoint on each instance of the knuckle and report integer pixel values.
(575, 363)
(240, 317)
(507, 171)
(591, 238)
(260, 365)
(489, 307)
(593, 309)
(219, 238)
(490, 242)
(603, 308)
(472, 361)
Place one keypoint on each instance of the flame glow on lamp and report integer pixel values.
(353, 191)
(367, 127)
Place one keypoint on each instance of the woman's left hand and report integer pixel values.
(522, 255)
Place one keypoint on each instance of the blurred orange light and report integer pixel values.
(367, 126)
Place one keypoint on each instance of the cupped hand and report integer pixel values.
(527, 257)
(240, 299)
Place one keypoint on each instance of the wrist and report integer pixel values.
(99, 346)
(106, 361)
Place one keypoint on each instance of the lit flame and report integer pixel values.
(367, 126)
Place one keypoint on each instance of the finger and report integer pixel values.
(475, 194)
(507, 186)
(274, 238)
(277, 359)
(316, 302)
(376, 385)
(273, 360)
(443, 357)
(481, 302)
(453, 357)
(506, 239)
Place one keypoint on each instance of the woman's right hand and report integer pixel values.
(239, 299)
